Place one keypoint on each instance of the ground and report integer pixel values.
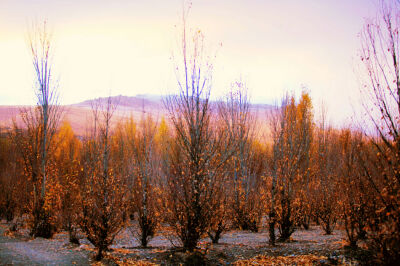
(307, 247)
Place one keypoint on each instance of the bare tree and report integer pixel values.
(380, 60)
(245, 168)
(240, 195)
(202, 148)
(103, 189)
(41, 123)
(326, 164)
(146, 170)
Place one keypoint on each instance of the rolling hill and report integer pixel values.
(80, 114)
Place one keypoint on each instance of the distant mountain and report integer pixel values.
(79, 115)
(137, 102)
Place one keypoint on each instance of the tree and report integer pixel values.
(306, 130)
(325, 174)
(355, 194)
(103, 199)
(241, 195)
(290, 129)
(245, 166)
(379, 57)
(12, 183)
(36, 141)
(201, 150)
(67, 161)
(146, 170)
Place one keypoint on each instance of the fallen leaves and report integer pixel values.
(135, 262)
(281, 260)
(124, 262)
(9, 233)
(124, 251)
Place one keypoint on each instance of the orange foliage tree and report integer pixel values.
(288, 165)
(12, 184)
(67, 161)
(103, 193)
(354, 190)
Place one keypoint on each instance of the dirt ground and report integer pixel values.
(306, 247)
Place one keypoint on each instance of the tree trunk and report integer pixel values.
(306, 222)
(272, 228)
(99, 255)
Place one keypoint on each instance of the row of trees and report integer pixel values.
(201, 181)
(207, 168)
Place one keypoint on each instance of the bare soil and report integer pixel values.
(306, 247)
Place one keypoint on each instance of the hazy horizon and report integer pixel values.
(124, 47)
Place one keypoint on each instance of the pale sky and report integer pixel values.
(124, 47)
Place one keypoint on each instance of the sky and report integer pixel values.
(104, 47)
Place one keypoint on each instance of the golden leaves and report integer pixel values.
(281, 260)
